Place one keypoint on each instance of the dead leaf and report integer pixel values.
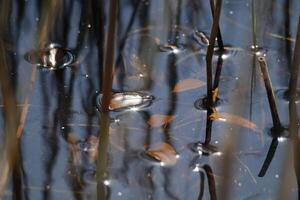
(164, 153)
(188, 84)
(215, 93)
(234, 119)
(159, 120)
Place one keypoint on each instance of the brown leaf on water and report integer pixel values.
(234, 119)
(164, 153)
(159, 120)
(188, 84)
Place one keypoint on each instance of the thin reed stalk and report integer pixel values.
(219, 36)
(210, 51)
(107, 92)
(293, 128)
(10, 160)
(271, 97)
(254, 24)
(50, 15)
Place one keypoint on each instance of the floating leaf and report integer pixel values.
(234, 119)
(163, 153)
(159, 120)
(188, 84)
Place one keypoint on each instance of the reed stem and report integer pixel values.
(107, 92)
(254, 24)
(210, 50)
(271, 97)
(219, 36)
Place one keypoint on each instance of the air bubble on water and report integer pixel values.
(231, 12)
(119, 193)
(48, 187)
(62, 128)
(89, 26)
(132, 101)
(53, 57)
(277, 176)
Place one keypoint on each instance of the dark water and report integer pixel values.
(159, 44)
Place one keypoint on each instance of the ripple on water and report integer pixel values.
(53, 57)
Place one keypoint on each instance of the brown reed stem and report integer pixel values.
(271, 97)
(109, 56)
(210, 51)
(10, 161)
(293, 128)
(219, 36)
(107, 92)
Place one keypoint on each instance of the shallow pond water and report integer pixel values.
(158, 146)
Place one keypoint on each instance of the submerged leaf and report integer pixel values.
(188, 84)
(234, 119)
(159, 120)
(163, 153)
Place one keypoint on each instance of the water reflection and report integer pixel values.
(156, 49)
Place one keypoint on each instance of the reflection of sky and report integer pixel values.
(63, 103)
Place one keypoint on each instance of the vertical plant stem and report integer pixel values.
(210, 51)
(254, 25)
(109, 56)
(293, 129)
(107, 92)
(48, 19)
(10, 161)
(219, 36)
(271, 97)
(295, 65)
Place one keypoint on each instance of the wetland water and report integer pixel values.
(163, 142)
